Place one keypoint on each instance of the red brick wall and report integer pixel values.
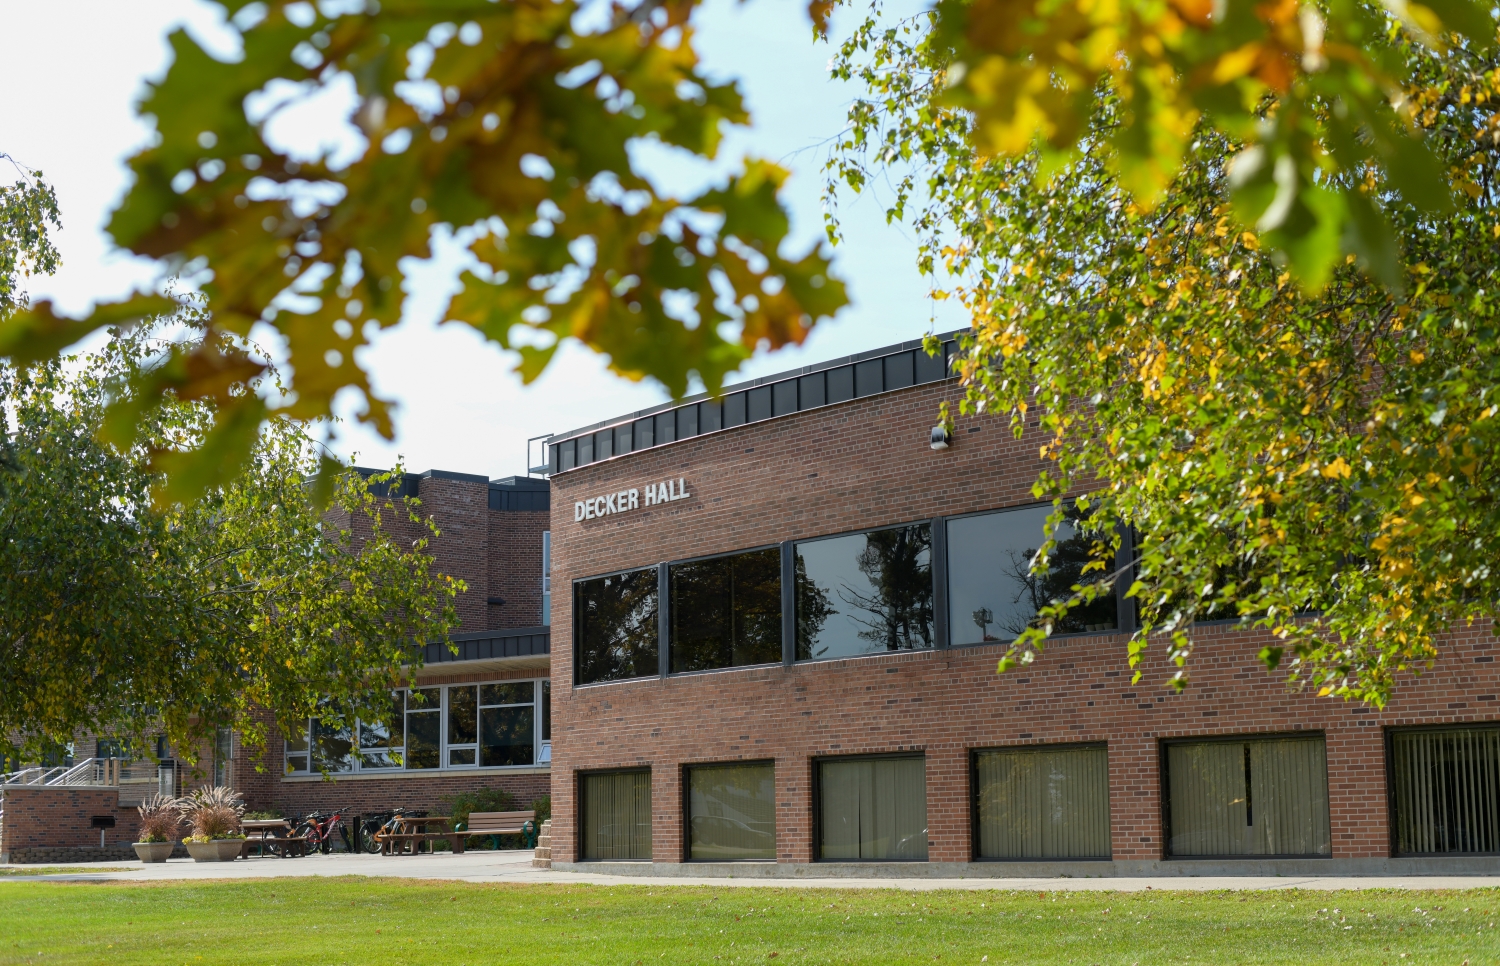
(868, 463)
(58, 817)
(515, 567)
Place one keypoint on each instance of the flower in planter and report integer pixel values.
(159, 819)
(212, 813)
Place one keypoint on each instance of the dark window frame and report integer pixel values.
(1164, 786)
(937, 643)
(974, 754)
(666, 646)
(1127, 547)
(578, 797)
(573, 603)
(817, 802)
(1388, 743)
(685, 787)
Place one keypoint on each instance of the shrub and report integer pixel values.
(480, 800)
(159, 819)
(263, 816)
(213, 813)
(543, 808)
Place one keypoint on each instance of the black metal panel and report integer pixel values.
(869, 377)
(734, 410)
(624, 439)
(759, 403)
(788, 603)
(645, 433)
(569, 456)
(491, 645)
(840, 384)
(931, 368)
(604, 444)
(898, 371)
(666, 427)
(784, 397)
(710, 416)
(687, 421)
(811, 391)
(585, 450)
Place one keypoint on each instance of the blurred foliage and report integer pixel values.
(122, 616)
(1318, 461)
(512, 124)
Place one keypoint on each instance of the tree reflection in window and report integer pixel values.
(615, 627)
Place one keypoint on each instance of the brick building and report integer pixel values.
(475, 719)
(786, 612)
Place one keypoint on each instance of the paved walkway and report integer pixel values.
(516, 867)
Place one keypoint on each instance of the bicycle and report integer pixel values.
(319, 833)
(382, 824)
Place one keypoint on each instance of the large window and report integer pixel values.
(992, 593)
(488, 725)
(726, 612)
(616, 810)
(614, 627)
(1042, 803)
(546, 577)
(1260, 796)
(1446, 790)
(732, 812)
(872, 809)
(867, 593)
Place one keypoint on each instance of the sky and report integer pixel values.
(73, 70)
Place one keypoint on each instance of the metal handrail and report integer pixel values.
(89, 771)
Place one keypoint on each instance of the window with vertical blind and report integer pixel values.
(1252, 796)
(1042, 803)
(1446, 790)
(616, 816)
(732, 812)
(872, 809)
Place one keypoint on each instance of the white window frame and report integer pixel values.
(541, 757)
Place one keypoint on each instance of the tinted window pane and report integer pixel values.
(898, 371)
(623, 438)
(585, 450)
(424, 727)
(869, 378)
(992, 593)
(507, 736)
(380, 742)
(726, 612)
(840, 384)
(873, 809)
(616, 815)
(645, 433)
(666, 427)
(521, 693)
(566, 457)
(734, 410)
(687, 422)
(462, 713)
(333, 746)
(865, 594)
(732, 812)
(711, 416)
(546, 710)
(615, 621)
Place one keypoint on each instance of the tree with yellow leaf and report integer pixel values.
(1282, 380)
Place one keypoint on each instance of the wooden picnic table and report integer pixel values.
(415, 831)
(259, 830)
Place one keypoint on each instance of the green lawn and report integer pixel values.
(384, 921)
(11, 871)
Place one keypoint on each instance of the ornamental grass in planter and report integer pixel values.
(160, 820)
(213, 817)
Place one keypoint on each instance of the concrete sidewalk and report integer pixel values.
(515, 867)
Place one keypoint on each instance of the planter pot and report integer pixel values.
(219, 850)
(153, 851)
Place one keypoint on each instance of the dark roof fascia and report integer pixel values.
(807, 370)
(450, 475)
(520, 483)
(490, 645)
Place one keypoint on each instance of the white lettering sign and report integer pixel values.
(667, 491)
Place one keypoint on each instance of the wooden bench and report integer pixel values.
(504, 823)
